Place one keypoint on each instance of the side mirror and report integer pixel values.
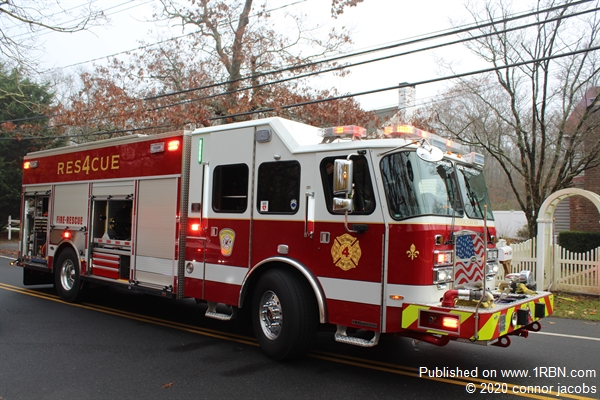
(342, 205)
(342, 177)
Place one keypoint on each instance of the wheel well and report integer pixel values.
(299, 271)
(66, 246)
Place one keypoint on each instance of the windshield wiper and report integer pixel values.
(472, 196)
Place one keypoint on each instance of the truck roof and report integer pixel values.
(73, 148)
(302, 138)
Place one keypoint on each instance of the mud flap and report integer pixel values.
(33, 277)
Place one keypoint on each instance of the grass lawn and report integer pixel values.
(576, 306)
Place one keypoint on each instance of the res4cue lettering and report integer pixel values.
(88, 164)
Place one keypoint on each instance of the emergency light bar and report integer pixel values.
(410, 132)
(404, 130)
(353, 132)
(474, 158)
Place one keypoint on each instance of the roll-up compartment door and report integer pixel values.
(121, 188)
(70, 205)
(156, 231)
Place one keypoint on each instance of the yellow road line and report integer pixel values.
(136, 317)
(332, 357)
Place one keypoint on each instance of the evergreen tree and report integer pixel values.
(23, 128)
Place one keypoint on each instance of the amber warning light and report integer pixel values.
(347, 131)
(30, 164)
(450, 323)
(173, 145)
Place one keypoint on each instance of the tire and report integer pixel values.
(284, 315)
(66, 276)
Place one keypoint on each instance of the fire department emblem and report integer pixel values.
(226, 237)
(346, 252)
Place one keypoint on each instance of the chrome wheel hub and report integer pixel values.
(270, 315)
(67, 275)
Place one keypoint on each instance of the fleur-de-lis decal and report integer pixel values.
(413, 252)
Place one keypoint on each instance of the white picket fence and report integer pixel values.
(571, 272)
(13, 225)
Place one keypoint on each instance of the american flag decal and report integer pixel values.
(467, 270)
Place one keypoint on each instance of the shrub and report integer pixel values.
(579, 242)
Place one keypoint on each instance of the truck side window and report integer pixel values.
(278, 187)
(230, 188)
(363, 197)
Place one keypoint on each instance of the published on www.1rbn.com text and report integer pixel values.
(564, 381)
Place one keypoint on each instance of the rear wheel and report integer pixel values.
(66, 276)
(284, 315)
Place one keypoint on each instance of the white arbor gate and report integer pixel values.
(550, 270)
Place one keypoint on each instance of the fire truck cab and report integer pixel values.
(300, 225)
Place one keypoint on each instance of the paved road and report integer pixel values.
(130, 346)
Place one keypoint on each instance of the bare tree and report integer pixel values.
(238, 40)
(22, 21)
(222, 67)
(518, 114)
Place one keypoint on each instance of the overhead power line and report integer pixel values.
(444, 78)
(381, 58)
(461, 30)
(381, 48)
(341, 97)
(372, 60)
(150, 45)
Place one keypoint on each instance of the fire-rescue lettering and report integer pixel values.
(88, 164)
(67, 219)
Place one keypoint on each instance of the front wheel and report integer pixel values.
(66, 276)
(284, 315)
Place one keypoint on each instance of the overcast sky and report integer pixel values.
(374, 23)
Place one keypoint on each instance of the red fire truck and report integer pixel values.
(299, 225)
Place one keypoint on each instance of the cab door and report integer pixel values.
(348, 249)
(229, 156)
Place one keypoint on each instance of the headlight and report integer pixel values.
(492, 254)
(492, 268)
(442, 275)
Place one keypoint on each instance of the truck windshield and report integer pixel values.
(474, 192)
(416, 187)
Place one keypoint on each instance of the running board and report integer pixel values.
(342, 336)
(211, 312)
